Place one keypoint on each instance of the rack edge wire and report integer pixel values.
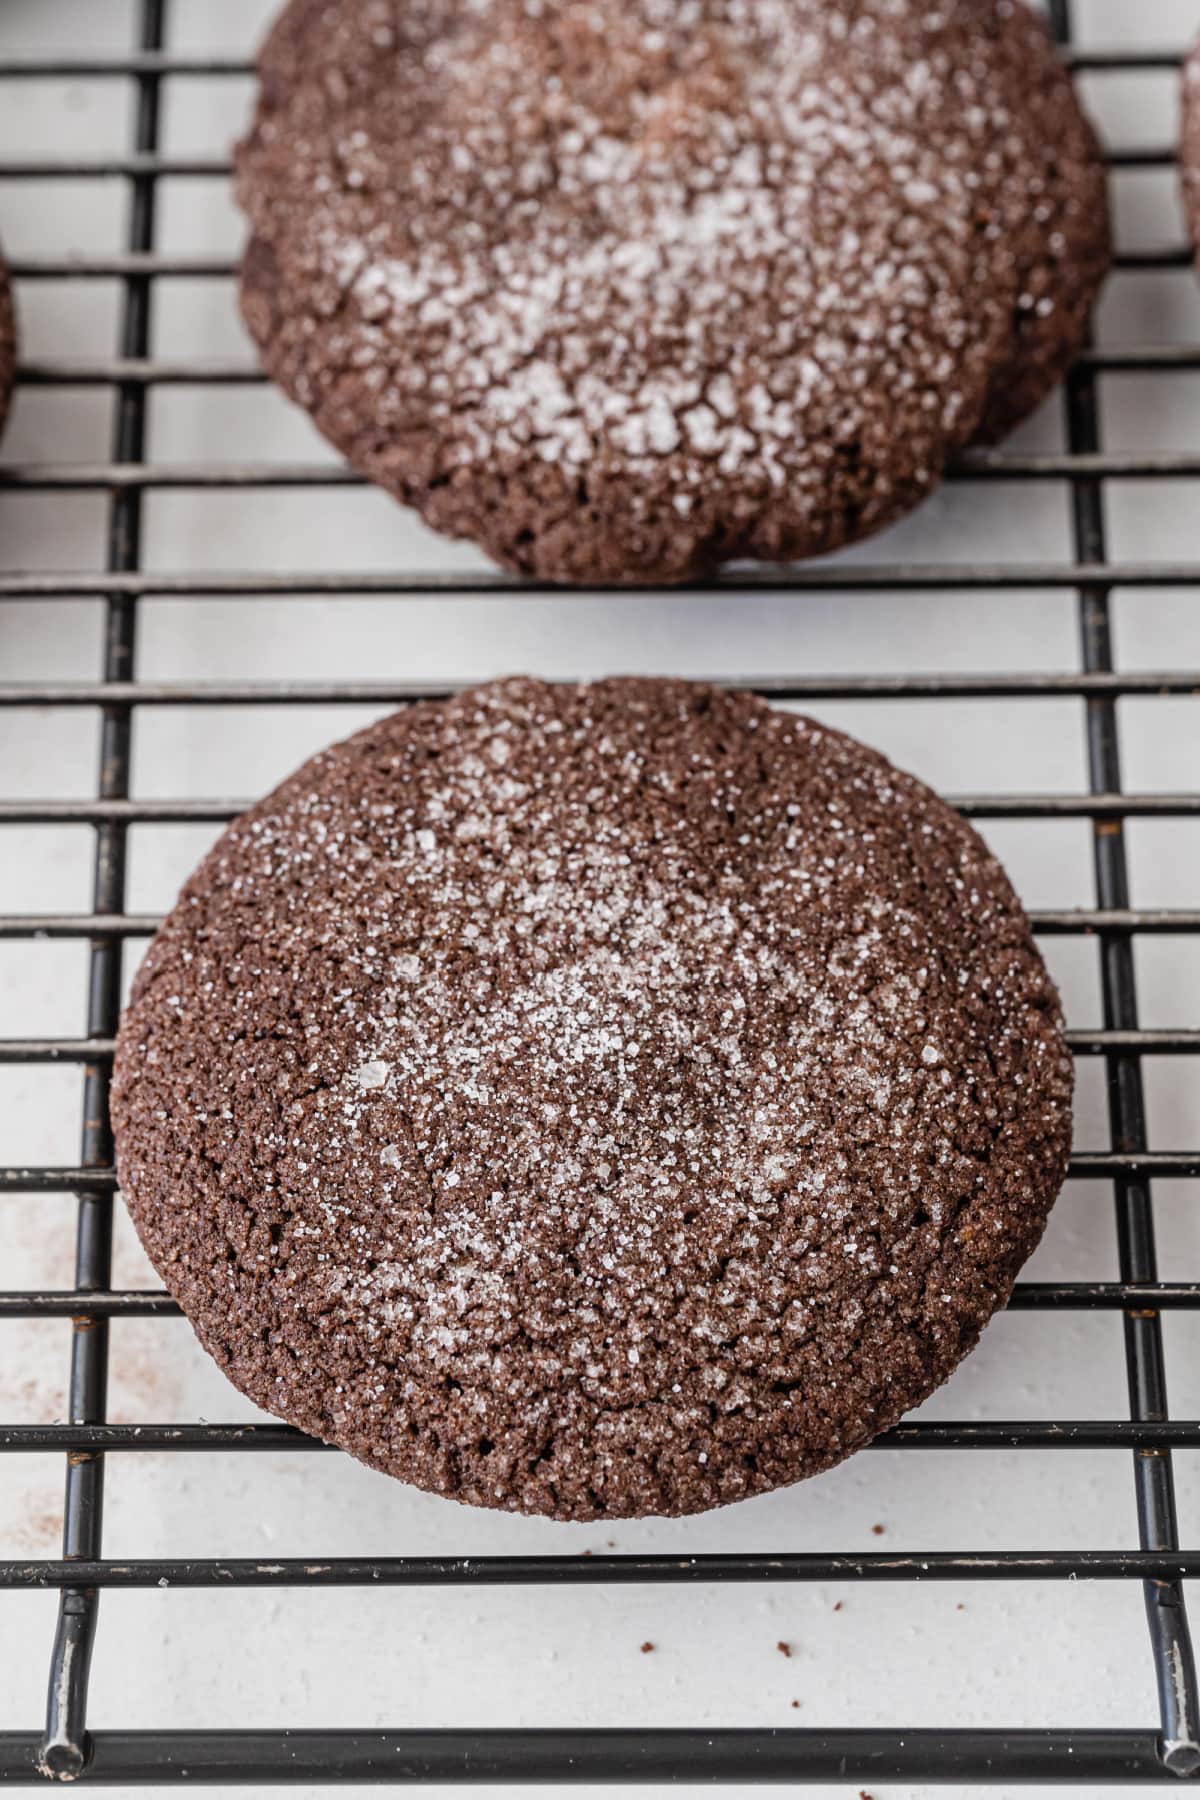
(1088, 1757)
(65, 1749)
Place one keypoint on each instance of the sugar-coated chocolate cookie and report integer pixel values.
(593, 1101)
(624, 290)
(8, 341)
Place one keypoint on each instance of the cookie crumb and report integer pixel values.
(783, 1649)
(647, 1647)
(878, 1530)
(795, 1703)
(838, 1605)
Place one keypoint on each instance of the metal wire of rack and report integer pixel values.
(64, 1747)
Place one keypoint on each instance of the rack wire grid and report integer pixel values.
(1134, 1750)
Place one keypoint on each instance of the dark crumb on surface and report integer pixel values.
(960, 1607)
(795, 1703)
(878, 1530)
(647, 1647)
(586, 1553)
(783, 1649)
(838, 1605)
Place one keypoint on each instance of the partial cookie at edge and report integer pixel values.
(1189, 152)
(8, 341)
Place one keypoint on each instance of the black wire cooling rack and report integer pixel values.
(63, 1748)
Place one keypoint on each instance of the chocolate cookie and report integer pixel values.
(593, 1101)
(8, 341)
(1189, 153)
(624, 291)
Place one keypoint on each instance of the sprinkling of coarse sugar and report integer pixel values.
(606, 1036)
(372, 1074)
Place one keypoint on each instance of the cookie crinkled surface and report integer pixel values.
(593, 1101)
(623, 291)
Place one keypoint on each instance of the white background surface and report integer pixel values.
(988, 1655)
